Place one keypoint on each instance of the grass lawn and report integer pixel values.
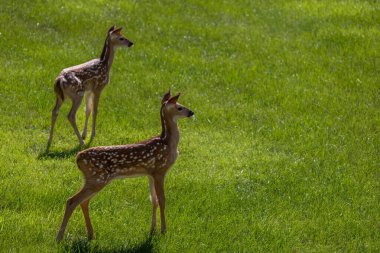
(284, 154)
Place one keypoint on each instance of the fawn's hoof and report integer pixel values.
(59, 238)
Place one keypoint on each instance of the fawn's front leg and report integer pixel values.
(153, 198)
(159, 187)
(89, 105)
(96, 98)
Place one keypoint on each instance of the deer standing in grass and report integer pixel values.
(86, 79)
(152, 158)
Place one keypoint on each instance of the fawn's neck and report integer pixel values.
(170, 132)
(108, 54)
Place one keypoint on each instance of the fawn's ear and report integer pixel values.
(111, 28)
(174, 99)
(117, 31)
(166, 97)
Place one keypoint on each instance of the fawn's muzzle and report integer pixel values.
(191, 113)
(130, 44)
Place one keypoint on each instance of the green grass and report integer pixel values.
(284, 154)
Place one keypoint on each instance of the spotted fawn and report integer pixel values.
(87, 79)
(152, 158)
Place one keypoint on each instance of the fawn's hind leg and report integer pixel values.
(54, 115)
(86, 215)
(71, 204)
(74, 108)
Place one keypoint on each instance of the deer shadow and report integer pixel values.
(47, 154)
(84, 246)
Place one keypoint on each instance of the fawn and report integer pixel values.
(87, 79)
(152, 158)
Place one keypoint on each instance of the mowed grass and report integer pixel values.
(283, 155)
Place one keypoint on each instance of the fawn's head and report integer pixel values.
(173, 109)
(117, 39)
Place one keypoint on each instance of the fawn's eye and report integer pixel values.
(121, 38)
(179, 108)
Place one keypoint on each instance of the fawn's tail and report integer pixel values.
(58, 89)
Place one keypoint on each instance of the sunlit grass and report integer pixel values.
(283, 154)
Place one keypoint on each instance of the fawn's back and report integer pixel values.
(110, 162)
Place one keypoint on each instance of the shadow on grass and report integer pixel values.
(61, 154)
(84, 246)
